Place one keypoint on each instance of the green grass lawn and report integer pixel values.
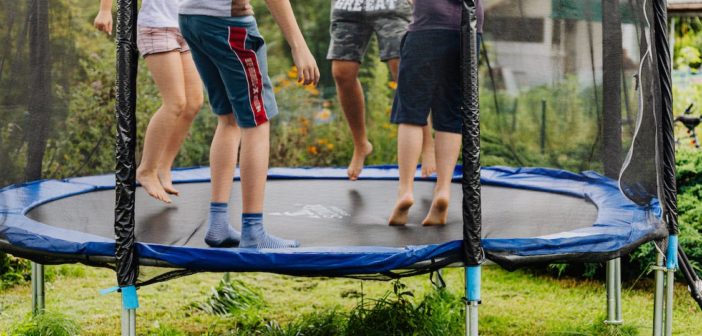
(514, 303)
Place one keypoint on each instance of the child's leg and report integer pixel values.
(428, 160)
(428, 156)
(223, 154)
(447, 147)
(255, 148)
(194, 99)
(350, 93)
(166, 70)
(409, 147)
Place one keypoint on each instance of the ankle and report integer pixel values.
(143, 171)
(164, 171)
(441, 196)
(219, 206)
(220, 233)
(405, 197)
(405, 192)
(252, 217)
(252, 225)
(362, 145)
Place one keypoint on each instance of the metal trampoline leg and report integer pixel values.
(128, 322)
(37, 289)
(669, 286)
(125, 322)
(614, 292)
(618, 281)
(472, 299)
(471, 319)
(658, 298)
(671, 266)
(132, 322)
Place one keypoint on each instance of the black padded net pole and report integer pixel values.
(611, 88)
(667, 152)
(125, 170)
(670, 209)
(471, 137)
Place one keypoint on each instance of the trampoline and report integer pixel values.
(529, 215)
(553, 90)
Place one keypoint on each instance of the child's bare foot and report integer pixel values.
(401, 212)
(428, 162)
(438, 213)
(150, 183)
(359, 158)
(166, 180)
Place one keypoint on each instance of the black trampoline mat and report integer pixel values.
(326, 213)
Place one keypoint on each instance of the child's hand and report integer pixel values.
(103, 22)
(307, 70)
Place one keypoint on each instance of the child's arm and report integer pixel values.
(103, 21)
(307, 70)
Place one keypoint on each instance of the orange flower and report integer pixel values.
(323, 115)
(330, 146)
(392, 85)
(292, 74)
(312, 150)
(312, 89)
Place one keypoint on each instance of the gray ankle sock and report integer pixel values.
(219, 232)
(253, 235)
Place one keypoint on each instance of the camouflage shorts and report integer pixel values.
(353, 22)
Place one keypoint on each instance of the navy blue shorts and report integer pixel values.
(429, 81)
(230, 56)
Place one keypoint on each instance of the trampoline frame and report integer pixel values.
(127, 260)
(619, 226)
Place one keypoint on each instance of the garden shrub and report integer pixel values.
(689, 180)
(230, 298)
(13, 270)
(46, 324)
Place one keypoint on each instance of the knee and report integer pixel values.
(176, 106)
(192, 107)
(227, 121)
(344, 75)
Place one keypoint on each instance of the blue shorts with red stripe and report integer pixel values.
(230, 56)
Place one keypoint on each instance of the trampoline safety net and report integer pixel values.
(571, 102)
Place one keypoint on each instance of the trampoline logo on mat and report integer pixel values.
(314, 211)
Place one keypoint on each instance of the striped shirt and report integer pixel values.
(216, 7)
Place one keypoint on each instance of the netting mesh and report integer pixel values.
(563, 86)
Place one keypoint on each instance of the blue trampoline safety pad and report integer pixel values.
(619, 226)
